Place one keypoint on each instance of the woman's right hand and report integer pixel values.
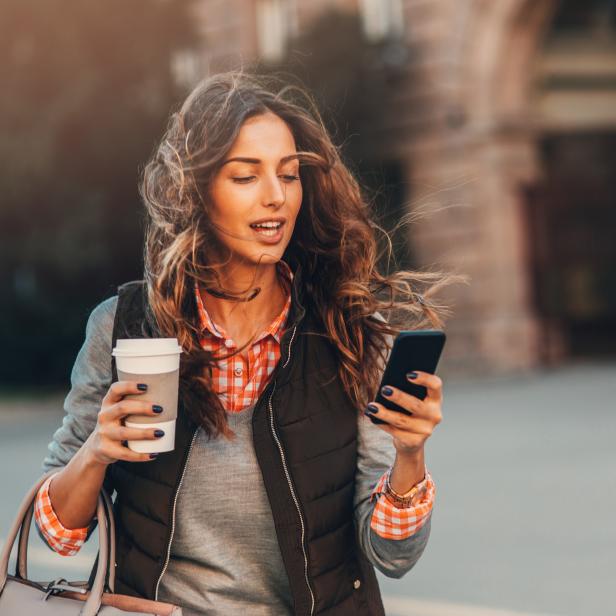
(105, 443)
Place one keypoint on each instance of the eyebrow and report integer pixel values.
(256, 161)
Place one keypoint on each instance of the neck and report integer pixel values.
(241, 319)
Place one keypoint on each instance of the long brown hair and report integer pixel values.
(335, 239)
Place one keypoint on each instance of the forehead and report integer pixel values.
(263, 136)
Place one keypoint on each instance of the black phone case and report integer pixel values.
(412, 350)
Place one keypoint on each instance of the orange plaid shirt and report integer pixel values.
(239, 382)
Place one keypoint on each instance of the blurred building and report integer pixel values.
(503, 129)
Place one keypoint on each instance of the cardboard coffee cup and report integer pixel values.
(156, 362)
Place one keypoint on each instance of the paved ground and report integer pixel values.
(524, 521)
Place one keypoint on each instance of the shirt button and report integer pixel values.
(356, 584)
(238, 371)
(228, 343)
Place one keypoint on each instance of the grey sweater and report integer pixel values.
(225, 557)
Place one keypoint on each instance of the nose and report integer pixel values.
(274, 191)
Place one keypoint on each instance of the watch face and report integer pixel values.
(413, 496)
(411, 492)
(399, 503)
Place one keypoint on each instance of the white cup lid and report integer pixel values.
(139, 347)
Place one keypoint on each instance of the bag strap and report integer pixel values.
(21, 569)
(93, 603)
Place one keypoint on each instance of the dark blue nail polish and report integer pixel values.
(157, 409)
(142, 386)
(387, 391)
(411, 375)
(159, 433)
(372, 409)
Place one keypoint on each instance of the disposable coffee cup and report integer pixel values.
(156, 362)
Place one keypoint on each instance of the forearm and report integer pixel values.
(74, 490)
(376, 455)
(408, 470)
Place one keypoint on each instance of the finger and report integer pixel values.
(400, 420)
(425, 409)
(407, 401)
(130, 407)
(119, 389)
(121, 433)
(431, 382)
(119, 452)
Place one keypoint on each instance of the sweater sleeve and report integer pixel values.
(393, 552)
(90, 380)
(392, 539)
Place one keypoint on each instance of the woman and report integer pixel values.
(280, 496)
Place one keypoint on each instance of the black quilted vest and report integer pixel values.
(305, 438)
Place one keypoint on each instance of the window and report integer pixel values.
(590, 15)
(272, 28)
(186, 67)
(382, 19)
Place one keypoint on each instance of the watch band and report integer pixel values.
(408, 499)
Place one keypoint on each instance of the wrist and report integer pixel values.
(408, 470)
(89, 459)
(411, 497)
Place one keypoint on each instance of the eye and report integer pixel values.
(290, 178)
(243, 180)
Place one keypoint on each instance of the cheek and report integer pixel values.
(229, 204)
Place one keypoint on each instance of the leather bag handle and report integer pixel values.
(21, 569)
(105, 526)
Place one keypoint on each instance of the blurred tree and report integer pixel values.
(87, 87)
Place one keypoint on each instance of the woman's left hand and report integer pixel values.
(410, 432)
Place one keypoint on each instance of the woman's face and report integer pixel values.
(257, 193)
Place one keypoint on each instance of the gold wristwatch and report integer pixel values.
(410, 498)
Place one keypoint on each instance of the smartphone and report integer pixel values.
(412, 350)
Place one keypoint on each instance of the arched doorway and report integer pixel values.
(570, 205)
(538, 88)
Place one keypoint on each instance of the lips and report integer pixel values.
(269, 231)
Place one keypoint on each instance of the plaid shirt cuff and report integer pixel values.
(391, 522)
(64, 541)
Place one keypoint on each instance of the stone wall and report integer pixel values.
(460, 122)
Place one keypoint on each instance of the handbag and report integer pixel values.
(19, 595)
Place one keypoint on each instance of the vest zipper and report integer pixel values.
(289, 482)
(175, 500)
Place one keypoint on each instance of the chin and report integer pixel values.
(267, 259)
(259, 258)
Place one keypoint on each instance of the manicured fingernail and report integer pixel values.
(372, 409)
(387, 391)
(159, 433)
(157, 409)
(411, 375)
(153, 455)
(142, 386)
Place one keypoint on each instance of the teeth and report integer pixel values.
(271, 232)
(268, 225)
